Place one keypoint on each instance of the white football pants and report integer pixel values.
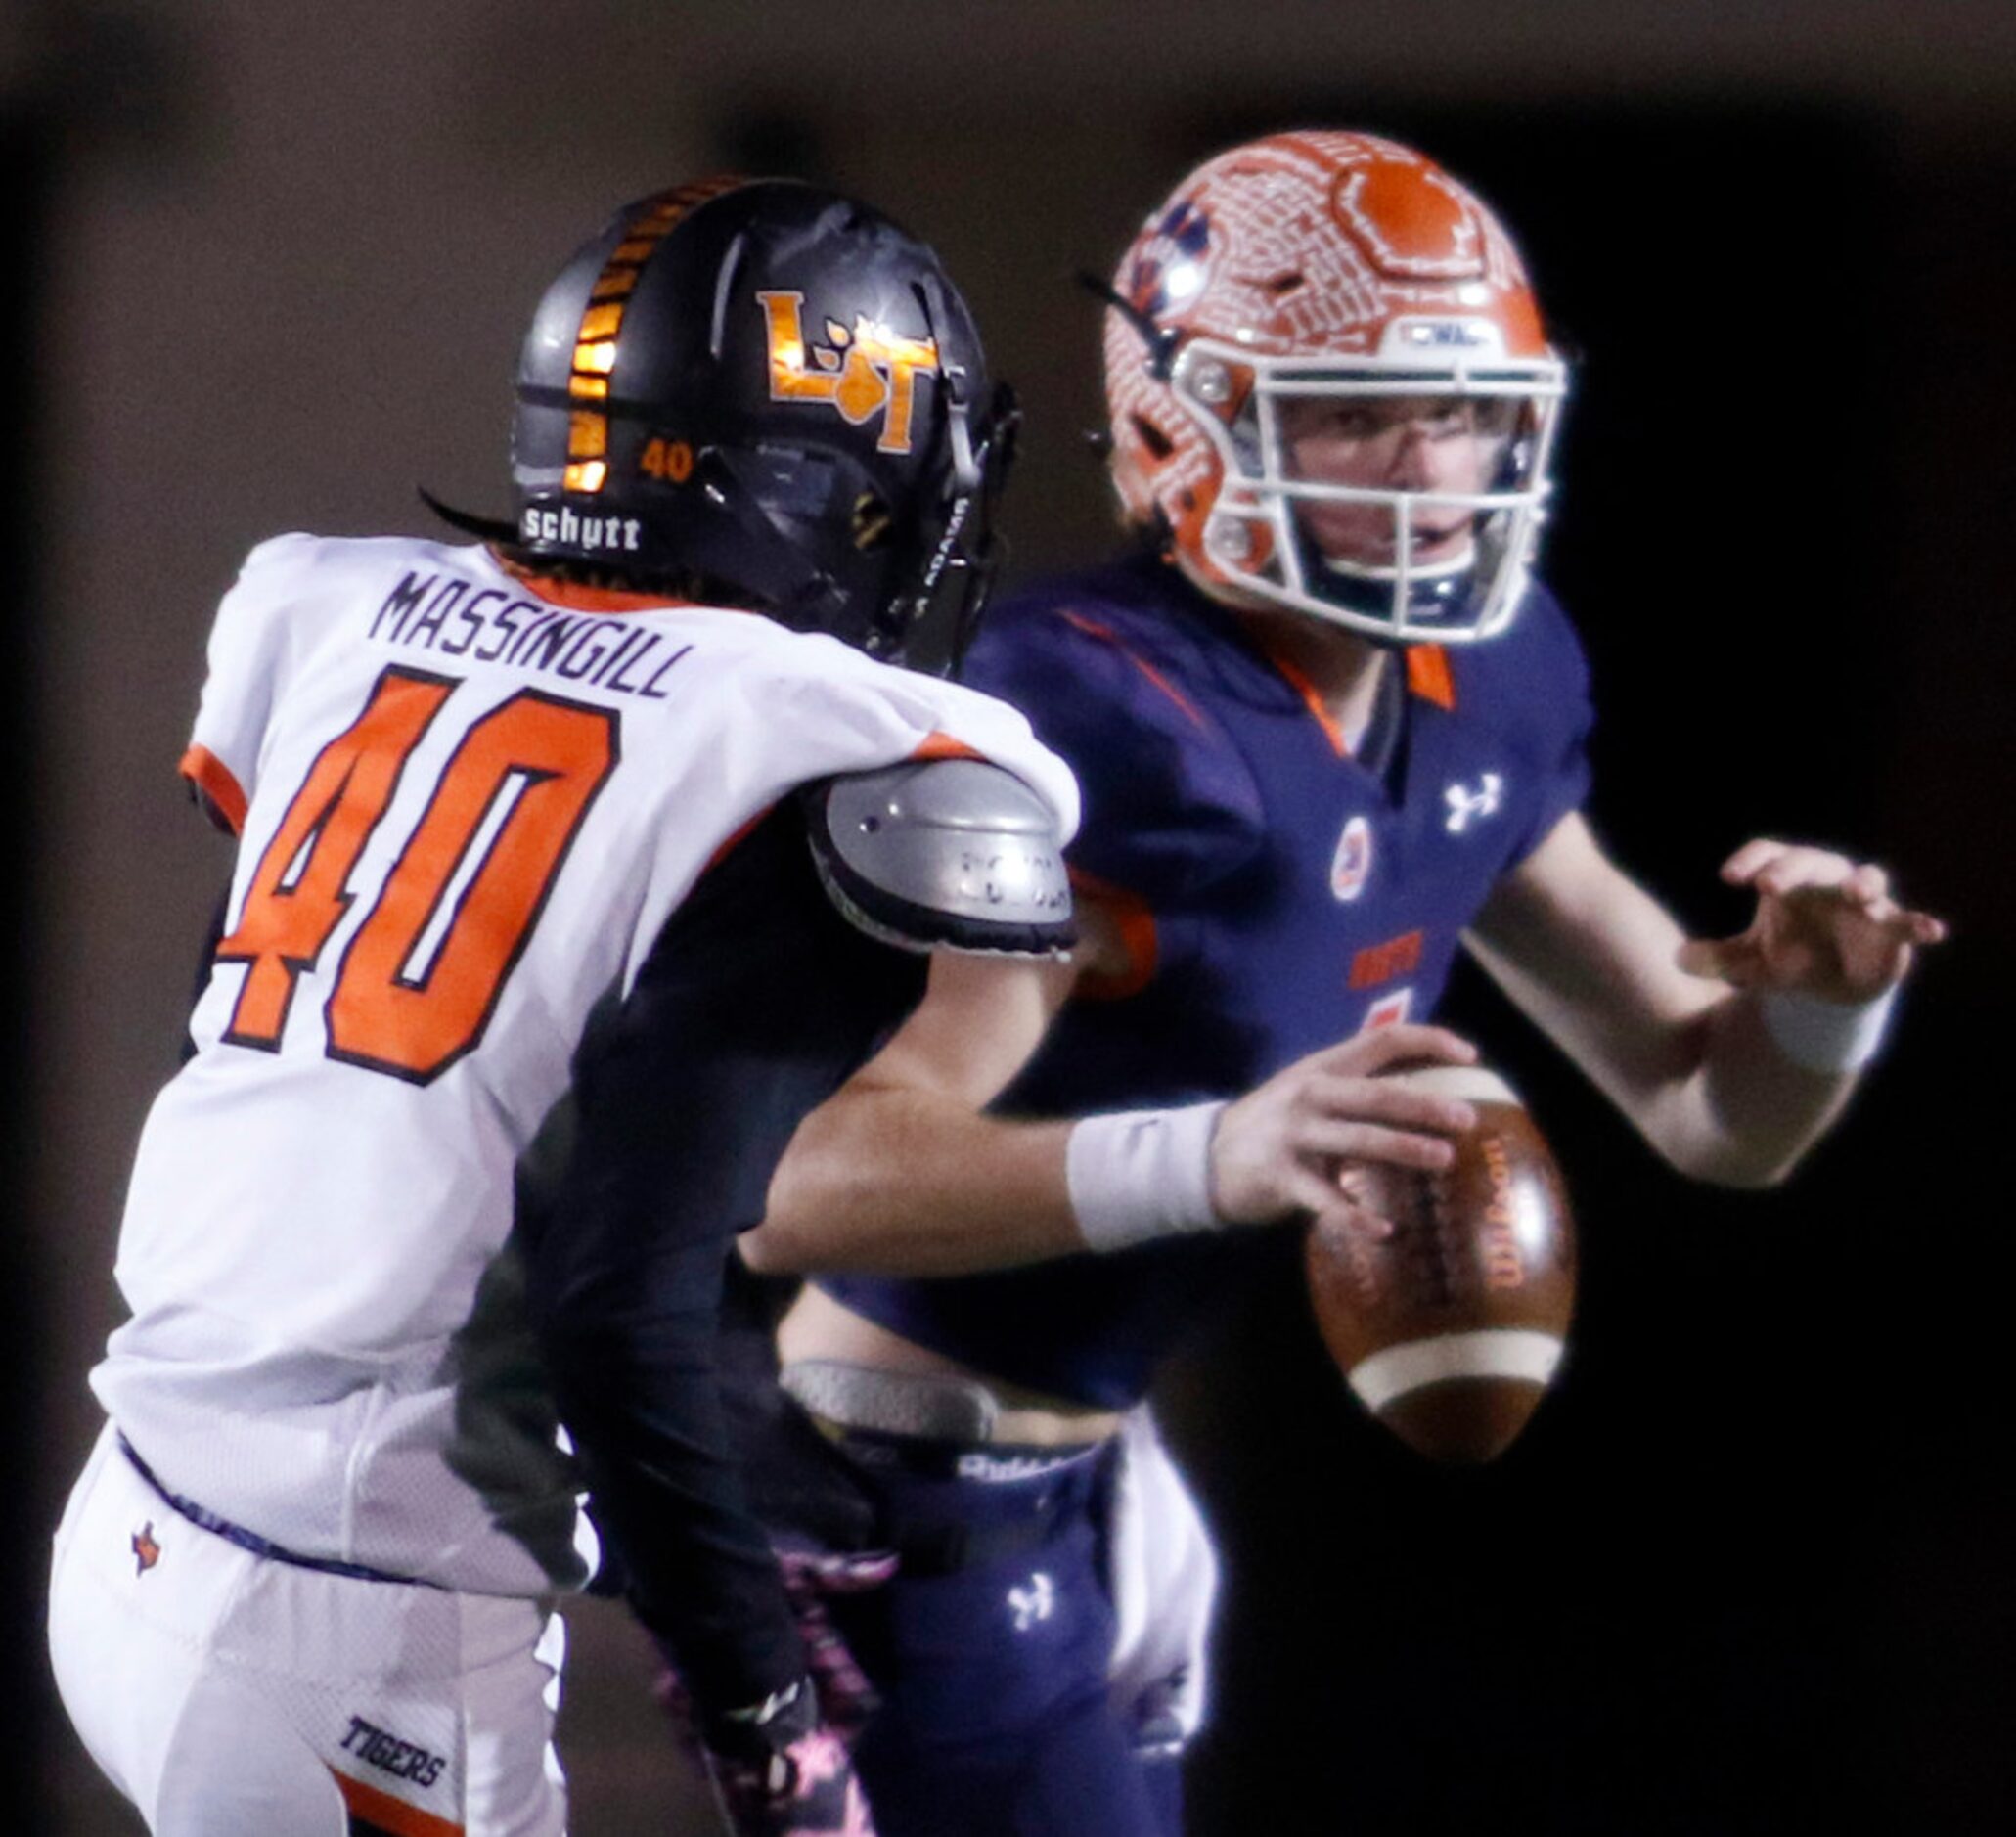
(231, 1695)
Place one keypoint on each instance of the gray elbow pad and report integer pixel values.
(943, 853)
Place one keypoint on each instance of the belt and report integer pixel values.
(897, 1428)
(892, 1403)
(207, 1520)
(931, 1405)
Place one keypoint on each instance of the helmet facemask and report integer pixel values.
(1382, 563)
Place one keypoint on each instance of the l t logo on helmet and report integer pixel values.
(867, 372)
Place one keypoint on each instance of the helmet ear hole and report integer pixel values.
(1158, 444)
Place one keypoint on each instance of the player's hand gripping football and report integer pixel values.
(1289, 1144)
(1826, 927)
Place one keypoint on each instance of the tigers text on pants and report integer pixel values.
(230, 1694)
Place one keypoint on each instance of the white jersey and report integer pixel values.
(466, 812)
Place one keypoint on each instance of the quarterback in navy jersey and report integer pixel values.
(1275, 890)
(1329, 729)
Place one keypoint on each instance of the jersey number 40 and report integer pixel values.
(420, 976)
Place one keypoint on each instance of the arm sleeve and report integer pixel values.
(1171, 805)
(756, 1000)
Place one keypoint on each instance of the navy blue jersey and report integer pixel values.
(1276, 895)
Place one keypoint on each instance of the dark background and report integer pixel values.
(23, 168)
(1748, 1570)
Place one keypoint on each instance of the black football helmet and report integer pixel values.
(773, 392)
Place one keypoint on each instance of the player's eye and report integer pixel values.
(1349, 421)
(1446, 418)
(1498, 417)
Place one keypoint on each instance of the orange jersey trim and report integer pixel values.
(1429, 676)
(380, 1812)
(937, 745)
(1106, 635)
(1299, 681)
(1139, 942)
(214, 777)
(577, 598)
(736, 840)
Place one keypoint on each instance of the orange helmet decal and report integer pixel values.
(597, 339)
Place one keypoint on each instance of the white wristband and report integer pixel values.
(1832, 1036)
(1143, 1173)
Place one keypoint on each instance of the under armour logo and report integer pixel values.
(146, 1551)
(1033, 1603)
(1464, 804)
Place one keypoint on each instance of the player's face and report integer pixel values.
(1415, 444)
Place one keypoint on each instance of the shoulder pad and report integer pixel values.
(957, 853)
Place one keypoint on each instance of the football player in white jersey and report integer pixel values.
(489, 798)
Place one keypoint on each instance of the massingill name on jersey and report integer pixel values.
(454, 616)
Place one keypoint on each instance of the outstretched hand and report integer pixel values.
(1826, 927)
(1289, 1144)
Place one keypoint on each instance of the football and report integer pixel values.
(1452, 1329)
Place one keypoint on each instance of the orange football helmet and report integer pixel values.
(1353, 273)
